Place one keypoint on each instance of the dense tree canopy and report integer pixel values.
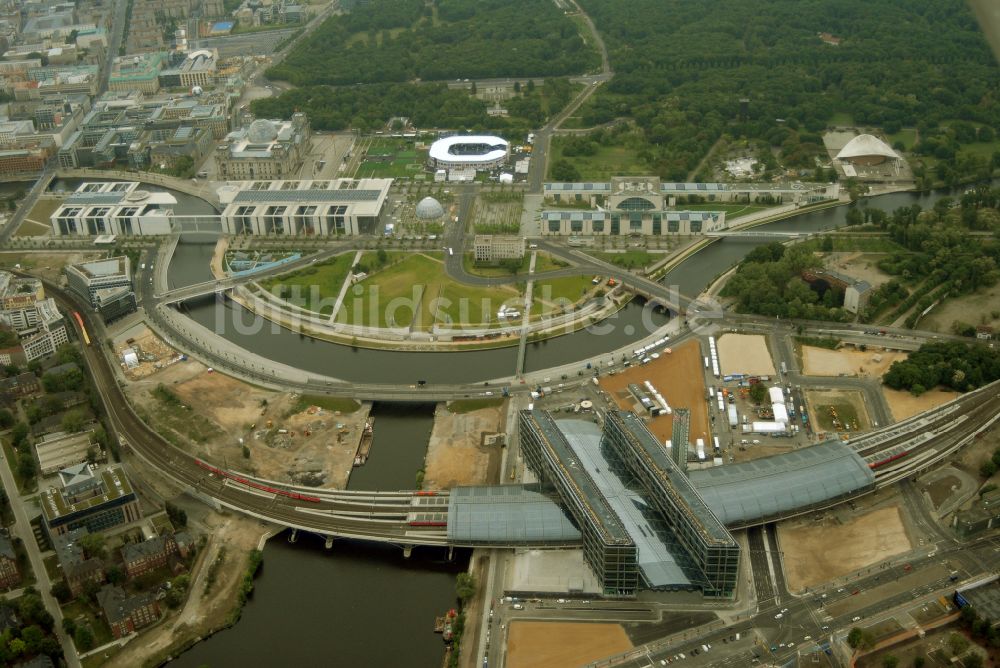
(407, 40)
(768, 282)
(369, 108)
(953, 364)
(682, 67)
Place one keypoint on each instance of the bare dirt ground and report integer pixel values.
(820, 401)
(317, 449)
(457, 454)
(744, 353)
(679, 377)
(220, 253)
(204, 612)
(153, 353)
(47, 265)
(847, 362)
(816, 552)
(903, 404)
(981, 308)
(859, 265)
(547, 644)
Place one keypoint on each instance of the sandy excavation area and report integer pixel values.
(289, 439)
(549, 644)
(847, 362)
(904, 405)
(151, 353)
(679, 377)
(816, 552)
(460, 451)
(744, 353)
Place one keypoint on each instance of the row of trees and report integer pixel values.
(389, 41)
(681, 71)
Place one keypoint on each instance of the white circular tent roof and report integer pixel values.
(429, 208)
(490, 148)
(865, 146)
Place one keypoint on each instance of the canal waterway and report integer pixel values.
(401, 434)
(353, 605)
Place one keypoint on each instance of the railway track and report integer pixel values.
(376, 516)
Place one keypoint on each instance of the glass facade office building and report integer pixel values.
(643, 524)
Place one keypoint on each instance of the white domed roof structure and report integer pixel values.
(429, 209)
(262, 131)
(867, 150)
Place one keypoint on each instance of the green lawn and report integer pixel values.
(468, 304)
(847, 417)
(628, 259)
(549, 293)
(608, 161)
(316, 287)
(732, 210)
(490, 271)
(841, 118)
(399, 158)
(544, 262)
(81, 613)
(413, 289)
(369, 259)
(981, 148)
(908, 136)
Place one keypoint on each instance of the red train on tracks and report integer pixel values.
(256, 485)
(888, 460)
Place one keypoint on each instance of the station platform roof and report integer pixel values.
(771, 487)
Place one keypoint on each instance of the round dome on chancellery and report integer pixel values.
(429, 208)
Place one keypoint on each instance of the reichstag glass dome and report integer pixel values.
(262, 131)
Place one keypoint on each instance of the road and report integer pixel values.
(22, 529)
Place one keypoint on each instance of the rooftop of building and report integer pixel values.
(780, 484)
(672, 480)
(118, 605)
(148, 548)
(506, 514)
(660, 565)
(114, 484)
(7, 548)
(115, 266)
(570, 214)
(345, 191)
(585, 488)
(986, 600)
(138, 66)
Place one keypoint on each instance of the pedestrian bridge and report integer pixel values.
(757, 235)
